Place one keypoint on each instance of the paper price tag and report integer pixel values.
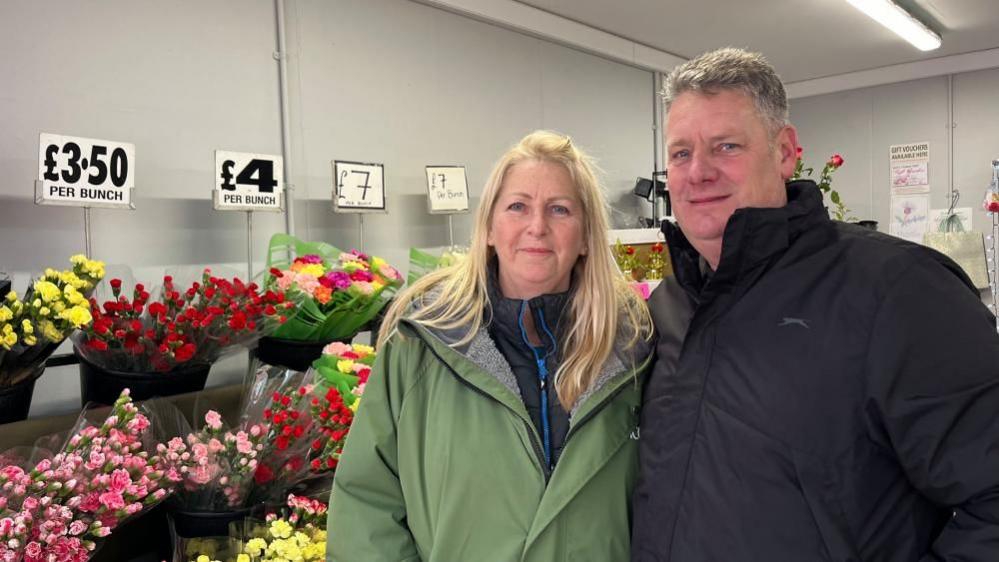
(358, 187)
(245, 181)
(447, 189)
(83, 172)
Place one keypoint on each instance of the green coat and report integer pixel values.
(443, 464)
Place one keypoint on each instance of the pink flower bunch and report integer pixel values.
(302, 510)
(54, 512)
(216, 466)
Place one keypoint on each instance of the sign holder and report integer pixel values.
(88, 241)
(249, 246)
(87, 173)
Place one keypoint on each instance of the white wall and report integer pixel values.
(862, 124)
(387, 81)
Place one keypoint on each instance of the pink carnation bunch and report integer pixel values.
(55, 511)
(215, 465)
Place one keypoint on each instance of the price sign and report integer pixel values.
(84, 172)
(447, 189)
(248, 182)
(358, 187)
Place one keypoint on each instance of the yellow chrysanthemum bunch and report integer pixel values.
(57, 305)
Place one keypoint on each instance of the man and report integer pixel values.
(822, 392)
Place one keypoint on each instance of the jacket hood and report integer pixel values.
(482, 351)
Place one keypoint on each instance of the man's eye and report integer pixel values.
(727, 146)
(679, 154)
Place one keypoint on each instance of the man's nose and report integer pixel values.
(702, 168)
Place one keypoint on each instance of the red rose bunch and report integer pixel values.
(181, 327)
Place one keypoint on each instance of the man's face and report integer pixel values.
(721, 158)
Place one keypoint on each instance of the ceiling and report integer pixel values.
(803, 39)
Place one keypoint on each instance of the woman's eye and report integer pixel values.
(560, 210)
(516, 206)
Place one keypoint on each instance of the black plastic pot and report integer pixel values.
(105, 385)
(873, 225)
(290, 354)
(15, 400)
(196, 524)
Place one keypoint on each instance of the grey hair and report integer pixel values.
(732, 69)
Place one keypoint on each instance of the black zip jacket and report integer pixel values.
(533, 367)
(828, 394)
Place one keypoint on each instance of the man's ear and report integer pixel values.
(787, 150)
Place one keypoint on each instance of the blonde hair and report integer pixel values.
(602, 298)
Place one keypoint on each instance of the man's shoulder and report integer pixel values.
(874, 257)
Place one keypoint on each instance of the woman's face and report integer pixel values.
(536, 229)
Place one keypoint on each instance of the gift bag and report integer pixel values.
(965, 248)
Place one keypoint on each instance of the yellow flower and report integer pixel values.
(72, 295)
(357, 402)
(12, 296)
(27, 327)
(363, 350)
(255, 547)
(44, 311)
(78, 316)
(280, 529)
(30, 340)
(345, 366)
(9, 339)
(6, 314)
(71, 280)
(48, 291)
(242, 557)
(58, 306)
(50, 331)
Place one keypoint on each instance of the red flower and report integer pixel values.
(798, 151)
(99, 345)
(835, 161)
(185, 352)
(263, 474)
(115, 284)
(281, 442)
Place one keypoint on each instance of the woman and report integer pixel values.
(500, 421)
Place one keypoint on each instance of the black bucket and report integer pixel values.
(104, 386)
(15, 400)
(196, 524)
(290, 354)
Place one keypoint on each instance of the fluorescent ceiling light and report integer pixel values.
(890, 15)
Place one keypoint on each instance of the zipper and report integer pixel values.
(546, 431)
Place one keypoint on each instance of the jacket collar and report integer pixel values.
(505, 312)
(752, 236)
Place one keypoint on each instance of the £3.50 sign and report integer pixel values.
(84, 172)
(248, 182)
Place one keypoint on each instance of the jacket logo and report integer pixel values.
(793, 322)
(636, 433)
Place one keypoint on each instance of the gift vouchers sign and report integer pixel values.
(358, 187)
(248, 182)
(83, 172)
